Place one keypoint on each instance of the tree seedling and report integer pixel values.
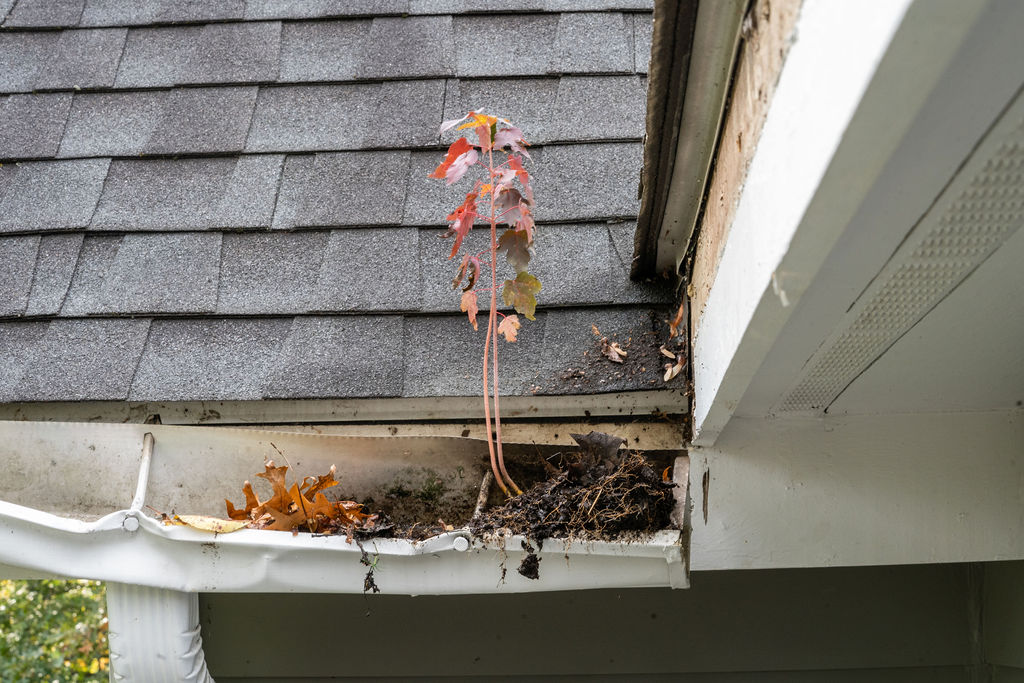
(505, 193)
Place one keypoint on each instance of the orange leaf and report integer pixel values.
(321, 483)
(462, 222)
(476, 119)
(509, 327)
(457, 149)
(470, 306)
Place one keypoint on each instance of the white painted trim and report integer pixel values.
(830, 128)
(860, 490)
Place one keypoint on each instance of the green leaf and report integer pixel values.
(517, 248)
(521, 294)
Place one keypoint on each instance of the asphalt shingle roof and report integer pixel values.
(228, 200)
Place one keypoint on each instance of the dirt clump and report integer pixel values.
(599, 493)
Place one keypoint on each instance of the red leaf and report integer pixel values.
(471, 266)
(462, 222)
(511, 137)
(516, 164)
(470, 306)
(461, 156)
(517, 248)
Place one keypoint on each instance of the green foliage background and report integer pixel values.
(53, 631)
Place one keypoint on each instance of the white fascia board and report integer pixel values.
(860, 490)
(852, 84)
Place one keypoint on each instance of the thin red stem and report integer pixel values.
(492, 332)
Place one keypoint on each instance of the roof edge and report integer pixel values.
(694, 52)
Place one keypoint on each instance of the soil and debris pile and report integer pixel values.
(599, 494)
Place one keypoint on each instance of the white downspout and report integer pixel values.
(154, 635)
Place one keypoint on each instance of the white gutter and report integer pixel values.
(716, 40)
(183, 559)
(156, 572)
(87, 467)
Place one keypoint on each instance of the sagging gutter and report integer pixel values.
(155, 572)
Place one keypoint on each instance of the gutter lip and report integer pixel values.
(250, 560)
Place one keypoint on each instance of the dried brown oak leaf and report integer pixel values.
(301, 506)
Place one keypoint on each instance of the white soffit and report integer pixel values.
(871, 120)
(979, 211)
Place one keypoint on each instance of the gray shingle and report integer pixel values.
(270, 273)
(111, 124)
(189, 193)
(408, 113)
(208, 359)
(343, 356)
(50, 195)
(120, 13)
(570, 347)
(235, 53)
(600, 108)
(156, 56)
(576, 265)
(582, 182)
(323, 50)
(84, 59)
(168, 273)
(643, 28)
(55, 266)
(88, 282)
(310, 118)
(582, 5)
(80, 360)
(343, 188)
(444, 356)
(311, 9)
(32, 124)
(49, 13)
(204, 120)
(403, 47)
(659, 291)
(314, 118)
(563, 109)
(5, 8)
(18, 343)
(528, 103)
(370, 270)
(17, 262)
(513, 44)
(22, 55)
(599, 42)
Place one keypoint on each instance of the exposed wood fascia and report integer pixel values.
(313, 411)
(662, 435)
(767, 35)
